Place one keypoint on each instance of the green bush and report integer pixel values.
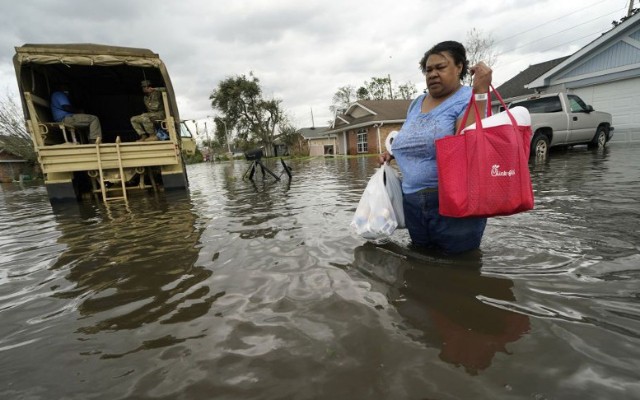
(193, 158)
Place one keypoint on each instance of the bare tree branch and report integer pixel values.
(479, 48)
(14, 137)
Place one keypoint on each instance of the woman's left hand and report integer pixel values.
(384, 158)
(481, 77)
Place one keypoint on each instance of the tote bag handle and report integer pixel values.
(474, 104)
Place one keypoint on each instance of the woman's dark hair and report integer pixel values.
(455, 49)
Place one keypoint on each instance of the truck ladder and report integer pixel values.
(103, 188)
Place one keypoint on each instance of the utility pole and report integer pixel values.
(226, 135)
(630, 11)
(206, 129)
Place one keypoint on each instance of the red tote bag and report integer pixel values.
(484, 172)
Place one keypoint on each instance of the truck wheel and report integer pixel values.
(540, 146)
(600, 139)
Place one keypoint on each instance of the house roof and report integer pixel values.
(7, 157)
(599, 45)
(515, 87)
(369, 112)
(314, 132)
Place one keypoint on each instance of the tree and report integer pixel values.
(344, 96)
(406, 91)
(291, 138)
(244, 110)
(363, 93)
(273, 115)
(379, 88)
(479, 48)
(13, 133)
(222, 134)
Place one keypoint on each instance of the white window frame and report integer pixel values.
(362, 144)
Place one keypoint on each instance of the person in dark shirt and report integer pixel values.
(63, 111)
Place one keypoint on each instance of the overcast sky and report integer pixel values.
(303, 50)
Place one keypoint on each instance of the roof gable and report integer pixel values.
(618, 55)
(358, 110)
(369, 112)
(313, 132)
(614, 51)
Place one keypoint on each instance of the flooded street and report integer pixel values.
(258, 290)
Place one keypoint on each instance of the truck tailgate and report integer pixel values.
(67, 158)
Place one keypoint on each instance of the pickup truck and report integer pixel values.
(106, 81)
(561, 119)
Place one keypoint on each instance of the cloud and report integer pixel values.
(302, 51)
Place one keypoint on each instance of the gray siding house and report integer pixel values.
(605, 74)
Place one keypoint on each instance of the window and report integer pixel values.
(184, 131)
(362, 141)
(576, 103)
(541, 105)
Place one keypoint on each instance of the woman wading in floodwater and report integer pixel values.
(431, 116)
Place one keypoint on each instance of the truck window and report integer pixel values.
(184, 131)
(576, 103)
(541, 105)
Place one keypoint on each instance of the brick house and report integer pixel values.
(364, 126)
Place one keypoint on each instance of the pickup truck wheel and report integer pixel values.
(540, 146)
(600, 139)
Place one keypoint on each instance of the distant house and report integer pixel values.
(12, 166)
(319, 142)
(605, 74)
(364, 126)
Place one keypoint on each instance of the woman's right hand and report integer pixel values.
(482, 76)
(384, 158)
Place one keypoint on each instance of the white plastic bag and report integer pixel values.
(375, 217)
(394, 189)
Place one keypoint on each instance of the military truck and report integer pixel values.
(104, 81)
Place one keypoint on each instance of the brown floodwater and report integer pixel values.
(258, 290)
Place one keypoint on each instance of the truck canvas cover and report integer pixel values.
(63, 61)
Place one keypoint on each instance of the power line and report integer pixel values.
(571, 41)
(561, 44)
(555, 33)
(551, 48)
(548, 22)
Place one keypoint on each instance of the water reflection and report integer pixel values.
(444, 302)
(258, 290)
(134, 266)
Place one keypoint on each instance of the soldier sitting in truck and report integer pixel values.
(144, 123)
(63, 111)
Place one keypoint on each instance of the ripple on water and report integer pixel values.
(259, 290)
